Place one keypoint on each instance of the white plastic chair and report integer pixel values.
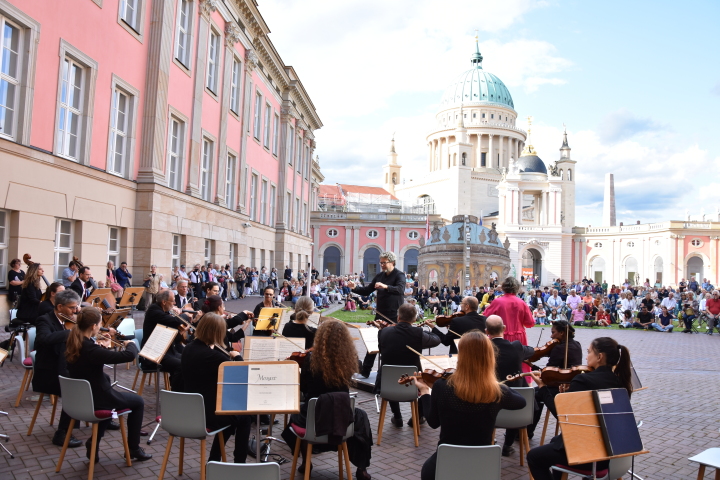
(312, 438)
(708, 458)
(27, 364)
(519, 419)
(246, 471)
(53, 400)
(184, 416)
(460, 462)
(79, 405)
(392, 391)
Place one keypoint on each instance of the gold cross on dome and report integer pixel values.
(476, 35)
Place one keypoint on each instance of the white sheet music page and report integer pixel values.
(272, 387)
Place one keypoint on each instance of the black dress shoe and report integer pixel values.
(421, 422)
(397, 422)
(88, 445)
(113, 426)
(301, 469)
(59, 439)
(362, 474)
(140, 455)
(507, 450)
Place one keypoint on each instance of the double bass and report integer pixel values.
(28, 261)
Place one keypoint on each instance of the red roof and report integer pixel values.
(333, 190)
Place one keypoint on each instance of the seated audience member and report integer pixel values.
(664, 321)
(626, 321)
(539, 316)
(644, 318)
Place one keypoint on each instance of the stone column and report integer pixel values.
(348, 250)
(388, 239)
(491, 152)
(155, 108)
(713, 276)
(396, 242)
(356, 248)
(478, 162)
(316, 246)
(680, 263)
(249, 65)
(520, 207)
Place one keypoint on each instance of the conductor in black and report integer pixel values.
(390, 288)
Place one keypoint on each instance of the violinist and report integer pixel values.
(86, 360)
(50, 340)
(187, 304)
(298, 326)
(200, 361)
(508, 357)
(466, 405)
(268, 302)
(327, 369)
(470, 321)
(82, 284)
(235, 325)
(604, 355)
(159, 314)
(47, 305)
(389, 285)
(393, 343)
(564, 333)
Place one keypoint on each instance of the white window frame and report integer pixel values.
(132, 21)
(377, 234)
(206, 164)
(60, 250)
(4, 228)
(273, 193)
(232, 254)
(266, 127)
(291, 146)
(175, 180)
(114, 235)
(89, 77)
(253, 196)
(13, 81)
(296, 211)
(263, 201)
(257, 116)
(207, 252)
(306, 162)
(298, 160)
(332, 232)
(176, 251)
(303, 218)
(411, 236)
(235, 86)
(184, 33)
(120, 87)
(286, 211)
(230, 180)
(213, 59)
(276, 134)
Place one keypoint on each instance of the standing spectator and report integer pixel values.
(111, 282)
(70, 274)
(254, 277)
(15, 281)
(196, 281)
(712, 306)
(263, 279)
(183, 274)
(122, 275)
(240, 278)
(152, 286)
(274, 278)
(314, 273)
(30, 295)
(174, 276)
(288, 273)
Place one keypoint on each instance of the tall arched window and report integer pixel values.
(464, 156)
(562, 174)
(569, 175)
(428, 204)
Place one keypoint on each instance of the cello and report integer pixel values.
(28, 261)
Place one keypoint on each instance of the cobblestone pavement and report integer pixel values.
(678, 410)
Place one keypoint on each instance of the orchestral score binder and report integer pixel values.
(617, 421)
(158, 344)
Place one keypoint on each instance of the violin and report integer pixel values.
(379, 324)
(554, 376)
(69, 322)
(428, 376)
(543, 351)
(299, 357)
(444, 320)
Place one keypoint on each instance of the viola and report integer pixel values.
(444, 320)
(544, 351)
(429, 376)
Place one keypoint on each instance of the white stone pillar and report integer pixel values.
(478, 155)
(388, 239)
(348, 250)
(491, 152)
(356, 249)
(520, 207)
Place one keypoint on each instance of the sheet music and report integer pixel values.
(286, 346)
(158, 343)
(271, 349)
(370, 339)
(314, 319)
(441, 360)
(272, 387)
(285, 319)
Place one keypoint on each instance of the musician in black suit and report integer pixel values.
(287, 275)
(158, 314)
(30, 295)
(185, 302)
(603, 354)
(86, 359)
(82, 285)
(50, 338)
(200, 361)
(393, 343)
(508, 358)
(389, 286)
(470, 321)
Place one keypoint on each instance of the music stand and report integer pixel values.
(131, 297)
(98, 295)
(155, 348)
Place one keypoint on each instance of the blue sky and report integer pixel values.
(637, 83)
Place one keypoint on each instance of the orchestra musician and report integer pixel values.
(237, 323)
(389, 286)
(82, 284)
(298, 326)
(47, 305)
(27, 310)
(268, 302)
(329, 368)
(612, 369)
(188, 305)
(470, 321)
(508, 358)
(393, 342)
(561, 331)
(200, 361)
(466, 405)
(50, 339)
(158, 314)
(86, 359)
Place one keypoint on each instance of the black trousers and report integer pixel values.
(134, 420)
(539, 403)
(428, 468)
(540, 459)
(64, 421)
(239, 425)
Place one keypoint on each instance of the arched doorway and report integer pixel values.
(631, 270)
(331, 260)
(410, 261)
(432, 277)
(658, 270)
(597, 269)
(695, 267)
(531, 263)
(371, 262)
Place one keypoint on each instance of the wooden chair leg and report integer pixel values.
(526, 439)
(123, 433)
(166, 457)
(22, 388)
(54, 400)
(522, 447)
(347, 460)
(717, 474)
(308, 459)
(701, 472)
(414, 409)
(383, 408)
(272, 421)
(142, 384)
(166, 378)
(37, 409)
(182, 455)
(564, 476)
(27, 385)
(296, 452)
(545, 425)
(340, 462)
(202, 459)
(93, 449)
(557, 427)
(65, 445)
(221, 441)
(417, 416)
(137, 374)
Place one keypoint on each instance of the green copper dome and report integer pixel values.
(476, 86)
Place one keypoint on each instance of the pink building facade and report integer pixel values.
(153, 132)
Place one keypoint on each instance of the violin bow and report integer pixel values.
(540, 337)
(383, 316)
(567, 342)
(423, 356)
(283, 336)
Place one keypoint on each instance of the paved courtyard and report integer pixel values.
(679, 411)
